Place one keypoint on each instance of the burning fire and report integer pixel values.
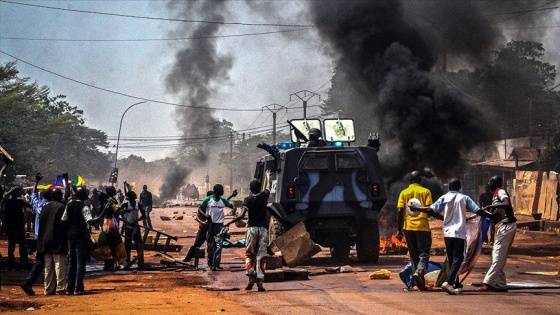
(392, 245)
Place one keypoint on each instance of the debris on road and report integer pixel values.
(380, 274)
(343, 269)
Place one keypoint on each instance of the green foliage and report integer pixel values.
(45, 133)
(517, 85)
(549, 158)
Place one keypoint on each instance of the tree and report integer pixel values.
(517, 86)
(45, 133)
(549, 158)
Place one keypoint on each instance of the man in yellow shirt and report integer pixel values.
(416, 227)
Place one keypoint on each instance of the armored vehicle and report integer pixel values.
(334, 188)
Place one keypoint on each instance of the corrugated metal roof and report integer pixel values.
(503, 163)
(524, 153)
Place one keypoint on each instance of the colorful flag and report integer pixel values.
(78, 181)
(59, 181)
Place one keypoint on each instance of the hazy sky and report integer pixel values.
(266, 68)
(121, 54)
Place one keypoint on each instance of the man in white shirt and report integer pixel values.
(214, 208)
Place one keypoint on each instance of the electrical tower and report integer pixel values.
(304, 96)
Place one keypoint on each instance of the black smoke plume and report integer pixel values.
(391, 59)
(394, 56)
(198, 71)
(196, 74)
(173, 181)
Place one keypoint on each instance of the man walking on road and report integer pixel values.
(201, 233)
(495, 279)
(146, 202)
(416, 228)
(256, 237)
(214, 208)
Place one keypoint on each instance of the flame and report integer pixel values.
(389, 245)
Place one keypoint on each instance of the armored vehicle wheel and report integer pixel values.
(367, 242)
(275, 229)
(341, 251)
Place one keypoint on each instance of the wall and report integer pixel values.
(536, 192)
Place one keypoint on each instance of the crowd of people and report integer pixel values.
(452, 208)
(63, 225)
(64, 222)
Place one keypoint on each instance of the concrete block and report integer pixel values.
(274, 262)
(296, 245)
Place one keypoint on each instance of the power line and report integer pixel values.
(128, 95)
(526, 11)
(530, 27)
(154, 18)
(520, 13)
(165, 139)
(152, 39)
(552, 88)
(463, 92)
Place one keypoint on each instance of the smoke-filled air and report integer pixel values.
(390, 62)
(197, 70)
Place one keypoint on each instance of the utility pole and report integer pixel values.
(231, 159)
(119, 139)
(530, 123)
(274, 108)
(304, 96)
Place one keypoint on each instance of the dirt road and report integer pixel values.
(177, 290)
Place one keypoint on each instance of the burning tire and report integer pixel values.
(367, 242)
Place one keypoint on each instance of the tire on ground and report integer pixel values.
(367, 242)
(341, 251)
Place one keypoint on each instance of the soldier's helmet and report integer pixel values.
(315, 134)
